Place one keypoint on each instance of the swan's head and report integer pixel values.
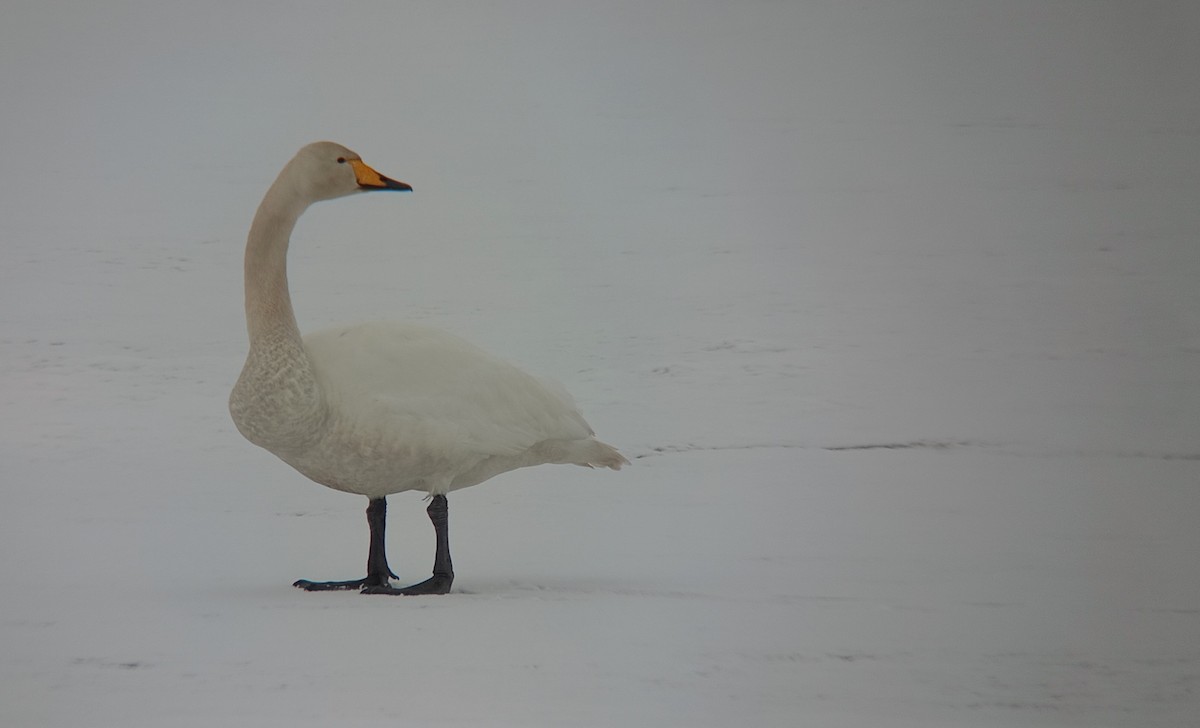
(324, 170)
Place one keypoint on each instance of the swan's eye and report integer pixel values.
(341, 160)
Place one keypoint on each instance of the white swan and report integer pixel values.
(384, 408)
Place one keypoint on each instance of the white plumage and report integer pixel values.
(382, 408)
(414, 408)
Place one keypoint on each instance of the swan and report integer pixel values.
(384, 408)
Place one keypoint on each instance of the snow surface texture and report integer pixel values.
(893, 305)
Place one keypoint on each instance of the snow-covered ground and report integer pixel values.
(895, 306)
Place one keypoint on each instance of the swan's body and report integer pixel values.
(377, 409)
(405, 407)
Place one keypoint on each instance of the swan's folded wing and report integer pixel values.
(437, 392)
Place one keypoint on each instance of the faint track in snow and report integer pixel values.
(927, 444)
(907, 445)
(910, 445)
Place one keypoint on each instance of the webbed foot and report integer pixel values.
(364, 582)
(436, 584)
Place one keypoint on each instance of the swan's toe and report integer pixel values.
(307, 585)
(437, 584)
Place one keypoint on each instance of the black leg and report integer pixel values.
(377, 566)
(443, 569)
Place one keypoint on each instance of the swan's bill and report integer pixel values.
(371, 179)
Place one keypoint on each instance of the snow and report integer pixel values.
(892, 305)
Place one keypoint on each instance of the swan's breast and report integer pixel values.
(277, 403)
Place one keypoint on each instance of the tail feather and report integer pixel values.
(603, 455)
(590, 453)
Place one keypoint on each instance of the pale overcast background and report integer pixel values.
(895, 306)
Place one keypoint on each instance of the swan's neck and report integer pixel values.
(277, 402)
(269, 314)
